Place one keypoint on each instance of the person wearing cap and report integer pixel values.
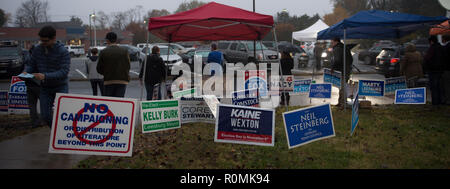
(114, 65)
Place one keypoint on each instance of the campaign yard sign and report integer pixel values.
(411, 96)
(212, 103)
(322, 90)
(355, 113)
(195, 110)
(160, 115)
(245, 98)
(93, 125)
(185, 93)
(245, 125)
(302, 85)
(332, 77)
(256, 79)
(371, 88)
(285, 84)
(394, 83)
(17, 97)
(307, 125)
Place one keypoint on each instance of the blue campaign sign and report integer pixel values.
(371, 88)
(245, 98)
(245, 125)
(257, 83)
(320, 90)
(307, 125)
(355, 113)
(411, 96)
(394, 83)
(302, 86)
(332, 77)
(18, 101)
(17, 85)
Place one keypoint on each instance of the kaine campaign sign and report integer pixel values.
(195, 110)
(160, 115)
(302, 85)
(307, 125)
(411, 96)
(320, 90)
(245, 98)
(245, 125)
(371, 88)
(394, 83)
(93, 125)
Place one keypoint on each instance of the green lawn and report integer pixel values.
(392, 137)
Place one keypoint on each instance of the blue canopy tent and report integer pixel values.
(376, 24)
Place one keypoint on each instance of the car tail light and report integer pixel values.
(395, 61)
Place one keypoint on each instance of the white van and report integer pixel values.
(75, 50)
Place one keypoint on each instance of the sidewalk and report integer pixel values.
(31, 152)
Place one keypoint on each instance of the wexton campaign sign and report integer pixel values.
(245, 125)
(307, 125)
(302, 86)
(93, 125)
(394, 83)
(160, 115)
(371, 88)
(411, 96)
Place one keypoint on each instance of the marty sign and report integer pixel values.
(371, 88)
(307, 125)
(245, 125)
(93, 125)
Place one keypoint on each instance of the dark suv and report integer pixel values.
(12, 59)
(388, 61)
(243, 51)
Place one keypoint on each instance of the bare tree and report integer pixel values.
(102, 20)
(119, 20)
(32, 12)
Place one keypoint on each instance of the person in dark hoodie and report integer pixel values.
(338, 65)
(155, 71)
(91, 69)
(50, 64)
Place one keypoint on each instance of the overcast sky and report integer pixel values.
(61, 10)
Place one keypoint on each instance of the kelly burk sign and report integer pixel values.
(371, 88)
(307, 125)
(245, 98)
(302, 86)
(93, 125)
(332, 77)
(195, 110)
(411, 96)
(160, 115)
(322, 90)
(394, 83)
(245, 125)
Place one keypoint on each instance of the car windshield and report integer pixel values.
(9, 52)
(202, 53)
(258, 46)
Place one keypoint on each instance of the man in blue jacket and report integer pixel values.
(50, 64)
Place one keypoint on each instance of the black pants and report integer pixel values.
(94, 84)
(435, 86)
(115, 90)
(32, 98)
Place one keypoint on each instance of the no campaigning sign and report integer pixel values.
(93, 125)
(245, 125)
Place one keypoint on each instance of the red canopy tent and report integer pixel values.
(211, 22)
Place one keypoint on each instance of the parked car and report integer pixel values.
(369, 56)
(388, 61)
(75, 50)
(12, 59)
(135, 53)
(177, 48)
(243, 51)
(163, 50)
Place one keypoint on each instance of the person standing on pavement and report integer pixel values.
(287, 64)
(50, 64)
(411, 63)
(433, 64)
(318, 49)
(155, 72)
(338, 65)
(114, 65)
(91, 69)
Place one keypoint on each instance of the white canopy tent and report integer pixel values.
(310, 34)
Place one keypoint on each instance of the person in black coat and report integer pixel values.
(434, 66)
(287, 64)
(338, 65)
(155, 72)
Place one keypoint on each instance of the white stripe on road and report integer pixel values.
(131, 71)
(81, 73)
